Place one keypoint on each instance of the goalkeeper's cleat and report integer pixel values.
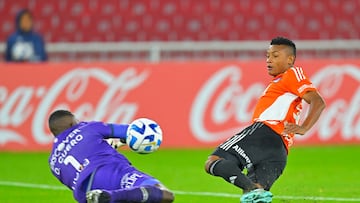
(256, 196)
(98, 196)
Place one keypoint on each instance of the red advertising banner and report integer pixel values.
(197, 104)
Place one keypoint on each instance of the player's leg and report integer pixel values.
(121, 183)
(229, 170)
(272, 163)
(266, 173)
(269, 167)
(157, 191)
(167, 195)
(231, 157)
(147, 194)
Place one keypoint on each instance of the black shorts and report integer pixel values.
(258, 149)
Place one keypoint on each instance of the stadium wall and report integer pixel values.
(198, 104)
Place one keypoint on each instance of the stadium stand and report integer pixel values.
(186, 20)
(173, 20)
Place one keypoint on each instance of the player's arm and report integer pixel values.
(317, 104)
(118, 130)
(117, 135)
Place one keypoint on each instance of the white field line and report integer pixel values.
(32, 185)
(212, 194)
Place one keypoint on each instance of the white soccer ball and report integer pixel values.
(144, 136)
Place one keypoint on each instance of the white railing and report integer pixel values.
(155, 49)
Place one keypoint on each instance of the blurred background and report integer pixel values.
(93, 48)
(123, 30)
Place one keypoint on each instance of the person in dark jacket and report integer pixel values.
(25, 45)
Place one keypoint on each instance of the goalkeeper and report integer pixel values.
(262, 147)
(96, 173)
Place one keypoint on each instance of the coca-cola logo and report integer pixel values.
(342, 114)
(221, 104)
(68, 92)
(217, 102)
(233, 102)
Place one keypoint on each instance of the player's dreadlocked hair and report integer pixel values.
(54, 125)
(284, 41)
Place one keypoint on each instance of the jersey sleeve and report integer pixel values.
(297, 82)
(111, 130)
(118, 130)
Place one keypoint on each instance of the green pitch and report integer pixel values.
(312, 173)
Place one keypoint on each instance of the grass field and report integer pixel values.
(313, 174)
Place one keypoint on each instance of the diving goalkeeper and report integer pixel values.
(96, 173)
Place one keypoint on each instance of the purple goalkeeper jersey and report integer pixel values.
(81, 149)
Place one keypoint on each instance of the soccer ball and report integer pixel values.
(144, 136)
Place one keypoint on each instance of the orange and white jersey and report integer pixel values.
(281, 101)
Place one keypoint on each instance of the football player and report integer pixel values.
(96, 173)
(262, 147)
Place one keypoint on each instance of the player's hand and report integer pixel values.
(292, 128)
(115, 142)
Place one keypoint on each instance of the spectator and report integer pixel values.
(25, 45)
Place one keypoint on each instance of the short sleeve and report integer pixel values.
(297, 82)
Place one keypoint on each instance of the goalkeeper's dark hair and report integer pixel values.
(286, 42)
(54, 125)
